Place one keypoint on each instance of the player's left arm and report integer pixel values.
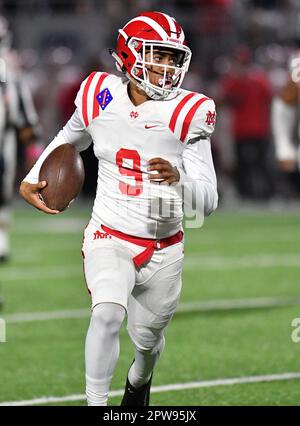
(196, 172)
(198, 178)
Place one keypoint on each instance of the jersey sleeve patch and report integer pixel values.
(104, 98)
(204, 121)
(184, 113)
(86, 100)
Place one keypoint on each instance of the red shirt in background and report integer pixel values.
(249, 95)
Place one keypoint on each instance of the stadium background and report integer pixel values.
(241, 277)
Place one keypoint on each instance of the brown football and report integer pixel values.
(64, 171)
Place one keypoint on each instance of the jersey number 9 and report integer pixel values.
(135, 171)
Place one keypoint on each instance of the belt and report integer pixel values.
(150, 244)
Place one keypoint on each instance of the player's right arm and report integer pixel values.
(75, 133)
(283, 119)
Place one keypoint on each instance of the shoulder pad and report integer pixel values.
(86, 100)
(188, 108)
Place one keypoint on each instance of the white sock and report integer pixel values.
(144, 363)
(102, 351)
(4, 231)
(97, 391)
(4, 242)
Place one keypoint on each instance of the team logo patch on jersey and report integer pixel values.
(134, 114)
(104, 98)
(211, 118)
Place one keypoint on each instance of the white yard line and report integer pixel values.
(165, 388)
(46, 316)
(192, 262)
(229, 304)
(249, 261)
(29, 273)
(210, 305)
(243, 238)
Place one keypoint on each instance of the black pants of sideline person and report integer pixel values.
(255, 173)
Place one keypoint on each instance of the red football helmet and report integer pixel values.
(143, 35)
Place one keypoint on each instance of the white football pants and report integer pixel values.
(149, 295)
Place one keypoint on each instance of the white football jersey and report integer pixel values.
(125, 138)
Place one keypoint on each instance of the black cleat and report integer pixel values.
(4, 258)
(136, 397)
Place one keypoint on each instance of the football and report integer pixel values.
(64, 172)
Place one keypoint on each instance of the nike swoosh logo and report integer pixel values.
(150, 127)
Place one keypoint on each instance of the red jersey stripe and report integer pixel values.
(177, 110)
(85, 98)
(189, 117)
(96, 107)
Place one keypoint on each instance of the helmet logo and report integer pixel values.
(173, 40)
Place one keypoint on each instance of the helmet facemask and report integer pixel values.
(172, 76)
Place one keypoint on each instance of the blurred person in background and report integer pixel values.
(18, 123)
(17, 120)
(286, 127)
(247, 92)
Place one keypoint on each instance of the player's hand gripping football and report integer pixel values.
(166, 174)
(31, 194)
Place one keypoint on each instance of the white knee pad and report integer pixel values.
(108, 316)
(146, 338)
(158, 349)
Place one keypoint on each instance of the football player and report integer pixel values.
(18, 121)
(151, 139)
(285, 113)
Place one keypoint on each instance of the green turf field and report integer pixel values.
(240, 294)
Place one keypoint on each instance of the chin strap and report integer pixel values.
(119, 64)
(148, 90)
